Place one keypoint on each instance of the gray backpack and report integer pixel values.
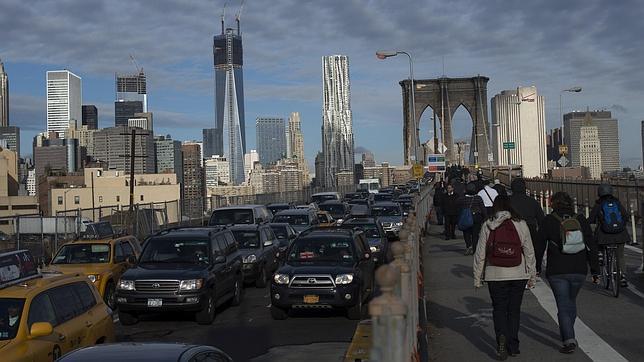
(572, 238)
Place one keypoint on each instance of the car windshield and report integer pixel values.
(333, 209)
(176, 251)
(281, 234)
(328, 249)
(83, 254)
(292, 219)
(247, 239)
(318, 199)
(232, 216)
(370, 230)
(10, 312)
(385, 211)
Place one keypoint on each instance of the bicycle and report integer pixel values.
(610, 273)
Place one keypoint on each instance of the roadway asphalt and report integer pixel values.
(247, 332)
(460, 317)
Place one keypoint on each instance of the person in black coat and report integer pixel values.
(473, 202)
(439, 193)
(529, 209)
(451, 210)
(566, 273)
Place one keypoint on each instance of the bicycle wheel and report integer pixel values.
(605, 272)
(614, 273)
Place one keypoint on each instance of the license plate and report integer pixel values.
(155, 302)
(311, 299)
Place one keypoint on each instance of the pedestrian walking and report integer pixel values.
(488, 194)
(471, 217)
(610, 217)
(571, 249)
(451, 211)
(439, 193)
(505, 259)
(529, 210)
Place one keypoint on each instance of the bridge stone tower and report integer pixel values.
(444, 96)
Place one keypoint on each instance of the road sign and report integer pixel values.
(563, 150)
(490, 157)
(563, 161)
(508, 145)
(436, 163)
(418, 170)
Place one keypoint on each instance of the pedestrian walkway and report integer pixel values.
(460, 317)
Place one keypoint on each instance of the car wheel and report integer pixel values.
(127, 319)
(355, 312)
(109, 296)
(278, 313)
(238, 292)
(207, 315)
(56, 353)
(262, 278)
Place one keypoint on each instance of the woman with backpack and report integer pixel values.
(471, 217)
(571, 248)
(504, 258)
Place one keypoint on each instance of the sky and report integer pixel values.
(552, 45)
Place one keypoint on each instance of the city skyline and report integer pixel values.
(181, 71)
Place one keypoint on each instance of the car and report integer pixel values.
(47, 315)
(353, 195)
(285, 234)
(258, 246)
(324, 269)
(299, 219)
(359, 210)
(375, 235)
(103, 260)
(364, 201)
(275, 207)
(338, 209)
(320, 197)
(406, 202)
(182, 269)
(326, 220)
(147, 352)
(307, 206)
(242, 214)
(390, 216)
(383, 196)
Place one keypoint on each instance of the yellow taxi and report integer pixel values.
(326, 220)
(103, 260)
(43, 317)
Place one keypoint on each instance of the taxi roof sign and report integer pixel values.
(17, 267)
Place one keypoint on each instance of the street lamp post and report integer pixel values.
(383, 54)
(569, 90)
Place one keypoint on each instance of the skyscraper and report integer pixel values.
(111, 144)
(168, 156)
(337, 124)
(608, 136)
(271, 139)
(294, 137)
(250, 159)
(229, 98)
(124, 110)
(132, 87)
(520, 118)
(90, 116)
(10, 135)
(193, 180)
(590, 154)
(142, 120)
(64, 100)
(213, 144)
(4, 96)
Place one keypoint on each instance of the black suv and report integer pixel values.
(375, 235)
(241, 214)
(182, 269)
(324, 268)
(258, 246)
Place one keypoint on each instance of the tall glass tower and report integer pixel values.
(229, 98)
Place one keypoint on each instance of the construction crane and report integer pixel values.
(223, 15)
(238, 16)
(138, 69)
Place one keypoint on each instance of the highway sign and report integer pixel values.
(563, 150)
(508, 145)
(418, 170)
(436, 163)
(563, 161)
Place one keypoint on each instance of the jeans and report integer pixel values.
(450, 226)
(565, 287)
(471, 235)
(506, 297)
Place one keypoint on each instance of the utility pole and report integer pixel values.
(132, 156)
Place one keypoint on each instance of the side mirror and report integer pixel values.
(268, 243)
(220, 259)
(41, 329)
(131, 260)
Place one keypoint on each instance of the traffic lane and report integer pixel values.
(245, 331)
(618, 321)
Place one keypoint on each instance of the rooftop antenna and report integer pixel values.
(223, 15)
(238, 17)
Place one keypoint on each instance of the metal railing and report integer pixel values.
(398, 315)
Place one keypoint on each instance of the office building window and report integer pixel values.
(141, 197)
(76, 200)
(118, 198)
(100, 199)
(60, 200)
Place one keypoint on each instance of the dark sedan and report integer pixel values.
(147, 352)
(258, 248)
(285, 234)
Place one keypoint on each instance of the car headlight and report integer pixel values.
(281, 279)
(344, 279)
(339, 221)
(249, 259)
(398, 223)
(191, 284)
(126, 284)
(93, 277)
(373, 249)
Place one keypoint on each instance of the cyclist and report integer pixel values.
(609, 216)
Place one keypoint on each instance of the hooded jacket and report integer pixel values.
(595, 217)
(527, 207)
(524, 271)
